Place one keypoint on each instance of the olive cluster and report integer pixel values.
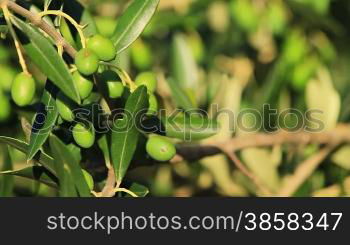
(87, 62)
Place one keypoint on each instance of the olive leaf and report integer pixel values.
(103, 144)
(190, 128)
(45, 56)
(41, 157)
(181, 98)
(6, 181)
(125, 132)
(132, 22)
(68, 168)
(327, 109)
(184, 68)
(36, 173)
(45, 119)
(138, 189)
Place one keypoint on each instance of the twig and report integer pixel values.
(261, 186)
(339, 135)
(108, 189)
(37, 21)
(303, 171)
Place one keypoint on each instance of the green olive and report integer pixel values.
(83, 84)
(160, 148)
(152, 105)
(141, 55)
(86, 62)
(102, 47)
(84, 136)
(7, 76)
(115, 89)
(105, 26)
(5, 106)
(23, 89)
(148, 79)
(89, 180)
(65, 107)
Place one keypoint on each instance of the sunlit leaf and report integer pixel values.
(132, 22)
(45, 56)
(125, 132)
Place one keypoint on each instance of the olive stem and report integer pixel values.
(126, 191)
(78, 27)
(37, 21)
(123, 74)
(21, 59)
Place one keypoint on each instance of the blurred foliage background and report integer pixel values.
(236, 54)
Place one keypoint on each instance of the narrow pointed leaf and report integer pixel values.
(190, 128)
(133, 22)
(41, 157)
(103, 144)
(138, 189)
(6, 181)
(45, 56)
(45, 119)
(182, 100)
(68, 167)
(125, 132)
(36, 173)
(184, 67)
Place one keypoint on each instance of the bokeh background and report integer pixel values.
(235, 54)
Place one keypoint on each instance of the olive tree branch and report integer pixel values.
(338, 135)
(241, 167)
(37, 21)
(303, 171)
(332, 138)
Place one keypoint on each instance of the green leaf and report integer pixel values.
(190, 128)
(181, 98)
(41, 157)
(36, 173)
(184, 68)
(125, 132)
(133, 22)
(103, 144)
(45, 120)
(45, 56)
(329, 106)
(138, 189)
(6, 181)
(67, 167)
